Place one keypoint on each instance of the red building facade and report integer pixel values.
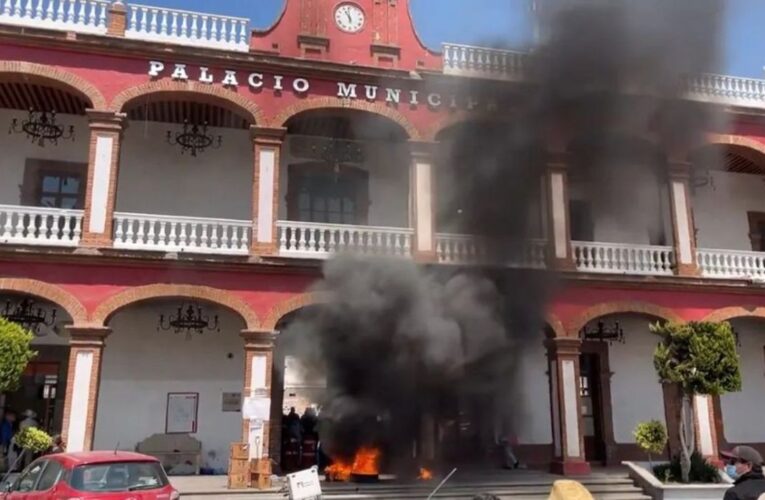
(116, 68)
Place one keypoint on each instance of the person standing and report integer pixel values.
(30, 420)
(7, 431)
(744, 466)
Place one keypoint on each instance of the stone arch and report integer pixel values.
(733, 312)
(605, 309)
(215, 94)
(734, 140)
(289, 305)
(224, 298)
(52, 293)
(317, 103)
(555, 325)
(452, 119)
(73, 83)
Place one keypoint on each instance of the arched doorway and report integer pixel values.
(44, 173)
(737, 408)
(618, 385)
(342, 168)
(719, 222)
(172, 380)
(186, 172)
(42, 388)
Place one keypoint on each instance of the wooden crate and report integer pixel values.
(260, 466)
(260, 481)
(238, 481)
(238, 466)
(240, 451)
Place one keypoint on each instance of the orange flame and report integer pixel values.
(425, 474)
(366, 462)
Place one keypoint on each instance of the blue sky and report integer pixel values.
(482, 21)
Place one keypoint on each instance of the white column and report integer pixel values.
(421, 187)
(86, 347)
(267, 144)
(705, 425)
(683, 231)
(103, 168)
(558, 226)
(258, 350)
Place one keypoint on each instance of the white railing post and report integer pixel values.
(622, 258)
(731, 264)
(40, 226)
(319, 240)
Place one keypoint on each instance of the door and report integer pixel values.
(591, 407)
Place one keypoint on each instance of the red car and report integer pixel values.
(92, 475)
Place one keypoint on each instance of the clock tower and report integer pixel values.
(359, 32)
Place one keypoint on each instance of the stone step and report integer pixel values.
(611, 490)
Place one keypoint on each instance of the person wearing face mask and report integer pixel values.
(744, 466)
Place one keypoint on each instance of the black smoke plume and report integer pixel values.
(397, 341)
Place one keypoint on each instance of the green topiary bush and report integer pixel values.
(34, 439)
(15, 354)
(701, 470)
(651, 436)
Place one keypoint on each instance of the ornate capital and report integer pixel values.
(422, 149)
(106, 120)
(564, 346)
(267, 135)
(558, 160)
(88, 336)
(258, 340)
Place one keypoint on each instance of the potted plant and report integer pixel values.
(651, 437)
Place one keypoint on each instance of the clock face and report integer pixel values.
(349, 17)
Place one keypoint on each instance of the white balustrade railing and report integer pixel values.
(619, 258)
(466, 60)
(726, 89)
(319, 240)
(158, 24)
(82, 16)
(467, 249)
(40, 226)
(734, 264)
(169, 233)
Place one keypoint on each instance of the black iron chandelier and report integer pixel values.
(189, 319)
(41, 126)
(604, 334)
(194, 138)
(27, 315)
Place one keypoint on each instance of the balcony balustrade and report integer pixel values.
(80, 16)
(40, 226)
(466, 60)
(168, 233)
(466, 249)
(616, 258)
(157, 24)
(319, 241)
(732, 264)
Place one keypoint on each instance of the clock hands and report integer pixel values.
(348, 15)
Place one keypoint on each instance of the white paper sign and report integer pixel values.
(181, 413)
(304, 485)
(257, 409)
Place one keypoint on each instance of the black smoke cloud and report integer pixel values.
(397, 341)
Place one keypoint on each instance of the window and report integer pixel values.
(54, 184)
(582, 227)
(50, 476)
(318, 193)
(757, 230)
(28, 478)
(118, 476)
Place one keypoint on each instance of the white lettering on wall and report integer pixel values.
(204, 75)
(255, 80)
(301, 85)
(434, 100)
(345, 90)
(230, 79)
(413, 97)
(393, 96)
(278, 82)
(155, 68)
(371, 92)
(179, 73)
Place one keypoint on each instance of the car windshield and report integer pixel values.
(118, 476)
